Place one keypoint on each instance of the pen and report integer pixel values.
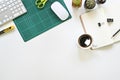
(116, 33)
(7, 30)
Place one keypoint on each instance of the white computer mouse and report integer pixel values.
(59, 10)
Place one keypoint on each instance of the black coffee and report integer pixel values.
(85, 40)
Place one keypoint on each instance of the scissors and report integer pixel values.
(40, 3)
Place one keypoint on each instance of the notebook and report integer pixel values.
(102, 35)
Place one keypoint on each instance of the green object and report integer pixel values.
(36, 21)
(89, 4)
(40, 3)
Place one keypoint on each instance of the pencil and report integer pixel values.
(7, 30)
(116, 33)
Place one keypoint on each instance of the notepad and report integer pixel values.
(102, 35)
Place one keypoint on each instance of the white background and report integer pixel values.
(55, 55)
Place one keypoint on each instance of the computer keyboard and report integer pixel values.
(10, 9)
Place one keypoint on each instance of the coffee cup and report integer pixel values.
(85, 41)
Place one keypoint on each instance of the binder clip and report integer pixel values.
(110, 20)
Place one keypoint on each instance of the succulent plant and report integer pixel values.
(101, 1)
(89, 4)
(76, 3)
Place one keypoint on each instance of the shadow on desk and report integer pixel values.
(88, 55)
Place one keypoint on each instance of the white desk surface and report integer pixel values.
(54, 55)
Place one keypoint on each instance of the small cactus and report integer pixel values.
(89, 4)
(101, 1)
(76, 3)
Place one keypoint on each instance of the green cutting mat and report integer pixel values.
(37, 21)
